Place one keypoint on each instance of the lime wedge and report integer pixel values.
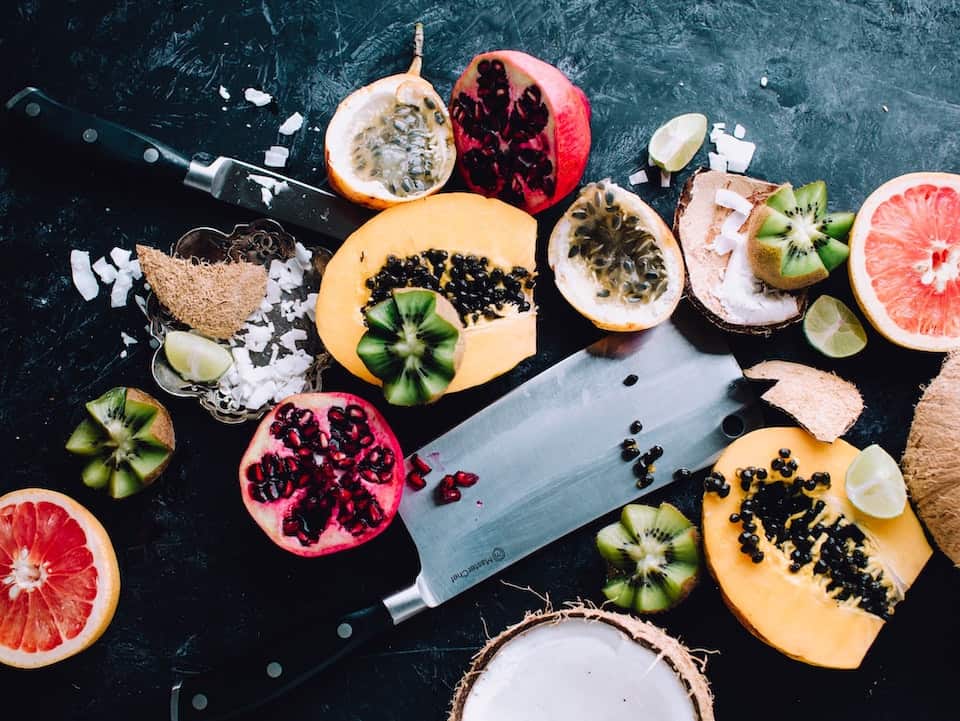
(833, 329)
(875, 485)
(196, 358)
(677, 141)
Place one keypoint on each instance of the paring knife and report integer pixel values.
(224, 178)
(548, 457)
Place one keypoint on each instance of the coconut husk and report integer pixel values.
(212, 298)
(824, 405)
(687, 667)
(696, 224)
(929, 462)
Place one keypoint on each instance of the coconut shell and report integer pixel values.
(212, 298)
(696, 224)
(686, 666)
(825, 405)
(929, 463)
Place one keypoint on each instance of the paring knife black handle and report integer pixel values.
(82, 130)
(249, 682)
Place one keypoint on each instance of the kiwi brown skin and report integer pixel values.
(162, 429)
(765, 260)
(721, 323)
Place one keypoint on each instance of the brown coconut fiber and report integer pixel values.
(825, 405)
(212, 298)
(929, 463)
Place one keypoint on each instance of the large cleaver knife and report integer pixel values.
(232, 181)
(548, 457)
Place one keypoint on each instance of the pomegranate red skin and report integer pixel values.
(334, 538)
(568, 135)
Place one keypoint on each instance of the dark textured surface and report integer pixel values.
(200, 580)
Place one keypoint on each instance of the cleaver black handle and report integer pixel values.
(251, 681)
(36, 109)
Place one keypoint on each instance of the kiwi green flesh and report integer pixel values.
(410, 347)
(808, 238)
(117, 437)
(655, 557)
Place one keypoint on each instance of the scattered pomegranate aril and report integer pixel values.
(464, 479)
(447, 494)
(419, 464)
(416, 481)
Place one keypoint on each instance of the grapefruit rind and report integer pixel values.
(907, 269)
(107, 591)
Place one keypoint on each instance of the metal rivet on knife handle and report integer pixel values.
(344, 630)
(199, 701)
(733, 426)
(274, 669)
(32, 110)
(151, 155)
(90, 135)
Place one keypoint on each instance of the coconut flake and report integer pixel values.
(738, 153)
(224, 93)
(276, 156)
(135, 269)
(724, 244)
(638, 178)
(121, 287)
(763, 81)
(289, 339)
(664, 178)
(123, 354)
(106, 272)
(128, 339)
(264, 181)
(257, 97)
(717, 162)
(291, 124)
(83, 278)
(121, 258)
(739, 131)
(734, 201)
(304, 256)
(732, 224)
(266, 196)
(745, 298)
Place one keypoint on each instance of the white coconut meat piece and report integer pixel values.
(121, 287)
(580, 287)
(257, 97)
(82, 273)
(638, 178)
(825, 405)
(719, 276)
(739, 131)
(739, 153)
(291, 125)
(583, 664)
(106, 272)
(224, 93)
(717, 162)
(120, 258)
(726, 198)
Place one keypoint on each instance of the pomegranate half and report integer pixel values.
(323, 473)
(522, 129)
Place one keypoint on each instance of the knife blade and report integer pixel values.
(548, 457)
(224, 178)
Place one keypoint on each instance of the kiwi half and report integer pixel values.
(127, 438)
(794, 242)
(413, 343)
(654, 558)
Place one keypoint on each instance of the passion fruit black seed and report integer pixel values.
(631, 380)
(474, 287)
(636, 427)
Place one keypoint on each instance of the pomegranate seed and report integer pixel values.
(284, 410)
(344, 495)
(305, 417)
(303, 538)
(350, 448)
(416, 481)
(290, 465)
(369, 475)
(293, 438)
(269, 464)
(357, 528)
(420, 464)
(346, 508)
(305, 452)
(335, 415)
(448, 481)
(341, 460)
(374, 515)
(388, 458)
(385, 477)
(276, 428)
(366, 440)
(290, 526)
(464, 479)
(310, 430)
(446, 494)
(327, 472)
(303, 479)
(255, 473)
(355, 411)
(323, 441)
(352, 432)
(375, 456)
(288, 489)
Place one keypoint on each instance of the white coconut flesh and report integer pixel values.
(578, 669)
(601, 258)
(392, 139)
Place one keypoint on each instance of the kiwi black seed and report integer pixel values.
(127, 438)
(653, 555)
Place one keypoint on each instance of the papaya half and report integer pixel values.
(477, 252)
(797, 564)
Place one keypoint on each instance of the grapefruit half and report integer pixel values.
(59, 580)
(905, 260)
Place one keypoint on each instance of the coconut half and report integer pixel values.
(583, 663)
(709, 225)
(929, 463)
(825, 405)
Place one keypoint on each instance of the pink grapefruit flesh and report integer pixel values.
(905, 260)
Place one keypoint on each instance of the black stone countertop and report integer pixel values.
(858, 92)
